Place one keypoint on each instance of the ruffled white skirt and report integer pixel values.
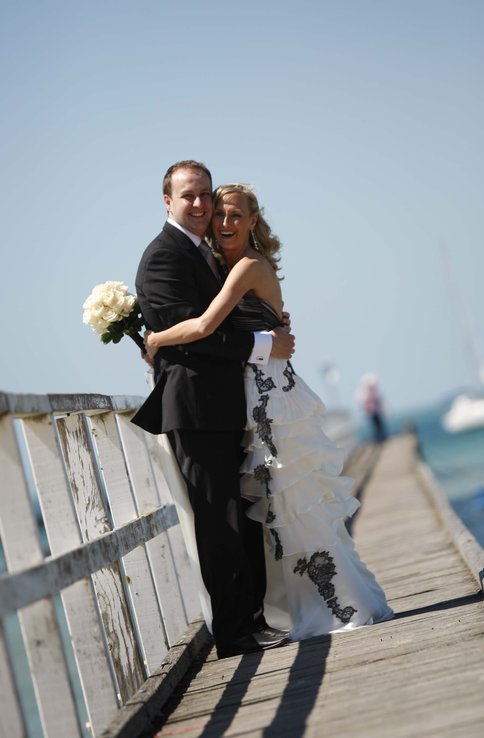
(317, 583)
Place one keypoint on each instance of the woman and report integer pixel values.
(316, 581)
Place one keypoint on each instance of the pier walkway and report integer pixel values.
(421, 674)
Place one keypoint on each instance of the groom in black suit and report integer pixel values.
(199, 403)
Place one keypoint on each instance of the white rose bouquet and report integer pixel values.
(113, 312)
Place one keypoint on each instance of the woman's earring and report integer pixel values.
(254, 241)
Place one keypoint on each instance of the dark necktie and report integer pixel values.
(210, 259)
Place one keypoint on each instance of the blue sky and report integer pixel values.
(360, 124)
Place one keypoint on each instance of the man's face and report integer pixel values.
(190, 204)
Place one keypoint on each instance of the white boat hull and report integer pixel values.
(465, 413)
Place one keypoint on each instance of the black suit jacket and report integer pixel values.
(199, 385)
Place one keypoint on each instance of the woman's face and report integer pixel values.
(232, 221)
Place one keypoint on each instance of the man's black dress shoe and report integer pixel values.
(260, 624)
(274, 632)
(260, 640)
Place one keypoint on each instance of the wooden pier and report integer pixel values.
(103, 604)
(421, 674)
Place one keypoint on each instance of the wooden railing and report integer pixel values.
(96, 584)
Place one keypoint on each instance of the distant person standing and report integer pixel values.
(372, 402)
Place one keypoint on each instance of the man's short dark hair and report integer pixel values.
(185, 164)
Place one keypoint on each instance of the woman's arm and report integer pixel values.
(240, 280)
(171, 286)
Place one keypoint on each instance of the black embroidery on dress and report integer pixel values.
(263, 475)
(263, 429)
(321, 569)
(263, 385)
(270, 517)
(278, 550)
(289, 373)
(277, 545)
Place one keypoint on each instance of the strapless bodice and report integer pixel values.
(254, 314)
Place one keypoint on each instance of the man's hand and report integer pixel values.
(283, 344)
(149, 356)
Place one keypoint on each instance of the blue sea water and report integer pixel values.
(456, 460)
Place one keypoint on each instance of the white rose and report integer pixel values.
(90, 301)
(115, 285)
(95, 321)
(115, 300)
(107, 295)
(111, 316)
(98, 292)
(128, 304)
(100, 326)
(90, 315)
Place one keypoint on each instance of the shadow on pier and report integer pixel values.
(414, 676)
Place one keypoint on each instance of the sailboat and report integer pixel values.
(466, 411)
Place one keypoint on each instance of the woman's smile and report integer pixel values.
(232, 221)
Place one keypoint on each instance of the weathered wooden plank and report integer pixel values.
(172, 488)
(66, 404)
(30, 404)
(136, 717)
(93, 403)
(34, 404)
(81, 609)
(147, 608)
(108, 584)
(126, 403)
(11, 719)
(21, 545)
(3, 403)
(48, 668)
(471, 553)
(49, 578)
(16, 517)
(167, 572)
(416, 676)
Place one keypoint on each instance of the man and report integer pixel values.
(199, 403)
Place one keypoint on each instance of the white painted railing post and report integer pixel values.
(79, 600)
(20, 540)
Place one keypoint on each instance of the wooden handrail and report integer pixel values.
(75, 473)
(58, 572)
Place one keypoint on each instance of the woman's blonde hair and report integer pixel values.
(261, 236)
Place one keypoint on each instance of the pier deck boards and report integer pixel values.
(421, 674)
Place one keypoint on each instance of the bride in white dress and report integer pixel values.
(316, 581)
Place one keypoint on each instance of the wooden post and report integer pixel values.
(21, 545)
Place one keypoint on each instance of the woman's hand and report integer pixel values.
(286, 321)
